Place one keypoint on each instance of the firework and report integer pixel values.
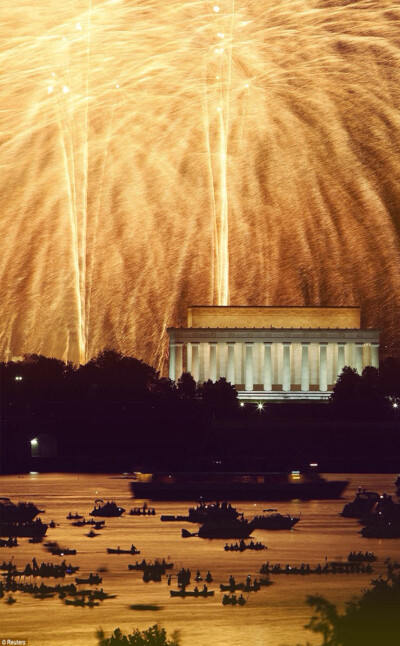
(160, 154)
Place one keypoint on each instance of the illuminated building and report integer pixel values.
(272, 352)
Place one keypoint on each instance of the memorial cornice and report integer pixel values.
(273, 335)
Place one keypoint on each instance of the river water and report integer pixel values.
(274, 616)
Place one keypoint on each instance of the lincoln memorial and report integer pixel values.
(272, 352)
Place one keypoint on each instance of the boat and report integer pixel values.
(72, 516)
(361, 505)
(274, 520)
(10, 542)
(305, 485)
(92, 579)
(222, 529)
(191, 593)
(232, 600)
(18, 513)
(33, 528)
(381, 529)
(143, 511)
(243, 587)
(118, 550)
(54, 549)
(107, 509)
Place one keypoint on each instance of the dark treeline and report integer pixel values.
(111, 406)
(117, 411)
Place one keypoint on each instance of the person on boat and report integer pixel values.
(209, 577)
(205, 589)
(248, 580)
(232, 581)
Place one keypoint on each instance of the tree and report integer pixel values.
(370, 620)
(187, 387)
(219, 398)
(153, 636)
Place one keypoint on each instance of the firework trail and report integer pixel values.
(160, 154)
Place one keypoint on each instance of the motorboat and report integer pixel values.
(274, 520)
(107, 509)
(18, 513)
(33, 528)
(362, 504)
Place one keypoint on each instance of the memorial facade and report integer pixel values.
(272, 352)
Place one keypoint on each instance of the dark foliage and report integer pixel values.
(371, 620)
(153, 636)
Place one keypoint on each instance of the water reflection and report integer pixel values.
(272, 616)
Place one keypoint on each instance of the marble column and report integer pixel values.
(341, 360)
(230, 373)
(189, 357)
(286, 372)
(359, 358)
(195, 361)
(213, 360)
(267, 366)
(305, 373)
(323, 375)
(179, 359)
(375, 355)
(248, 384)
(172, 361)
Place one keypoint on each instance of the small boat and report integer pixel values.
(92, 579)
(56, 550)
(191, 593)
(244, 587)
(143, 565)
(361, 557)
(118, 550)
(274, 520)
(106, 509)
(242, 546)
(10, 542)
(143, 511)
(91, 534)
(75, 602)
(74, 516)
(232, 600)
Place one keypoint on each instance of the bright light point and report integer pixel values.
(395, 405)
(260, 406)
(79, 26)
(117, 85)
(216, 9)
(217, 77)
(247, 85)
(313, 464)
(216, 51)
(65, 89)
(219, 108)
(242, 404)
(49, 89)
(53, 73)
(34, 441)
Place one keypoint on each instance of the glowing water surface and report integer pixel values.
(273, 616)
